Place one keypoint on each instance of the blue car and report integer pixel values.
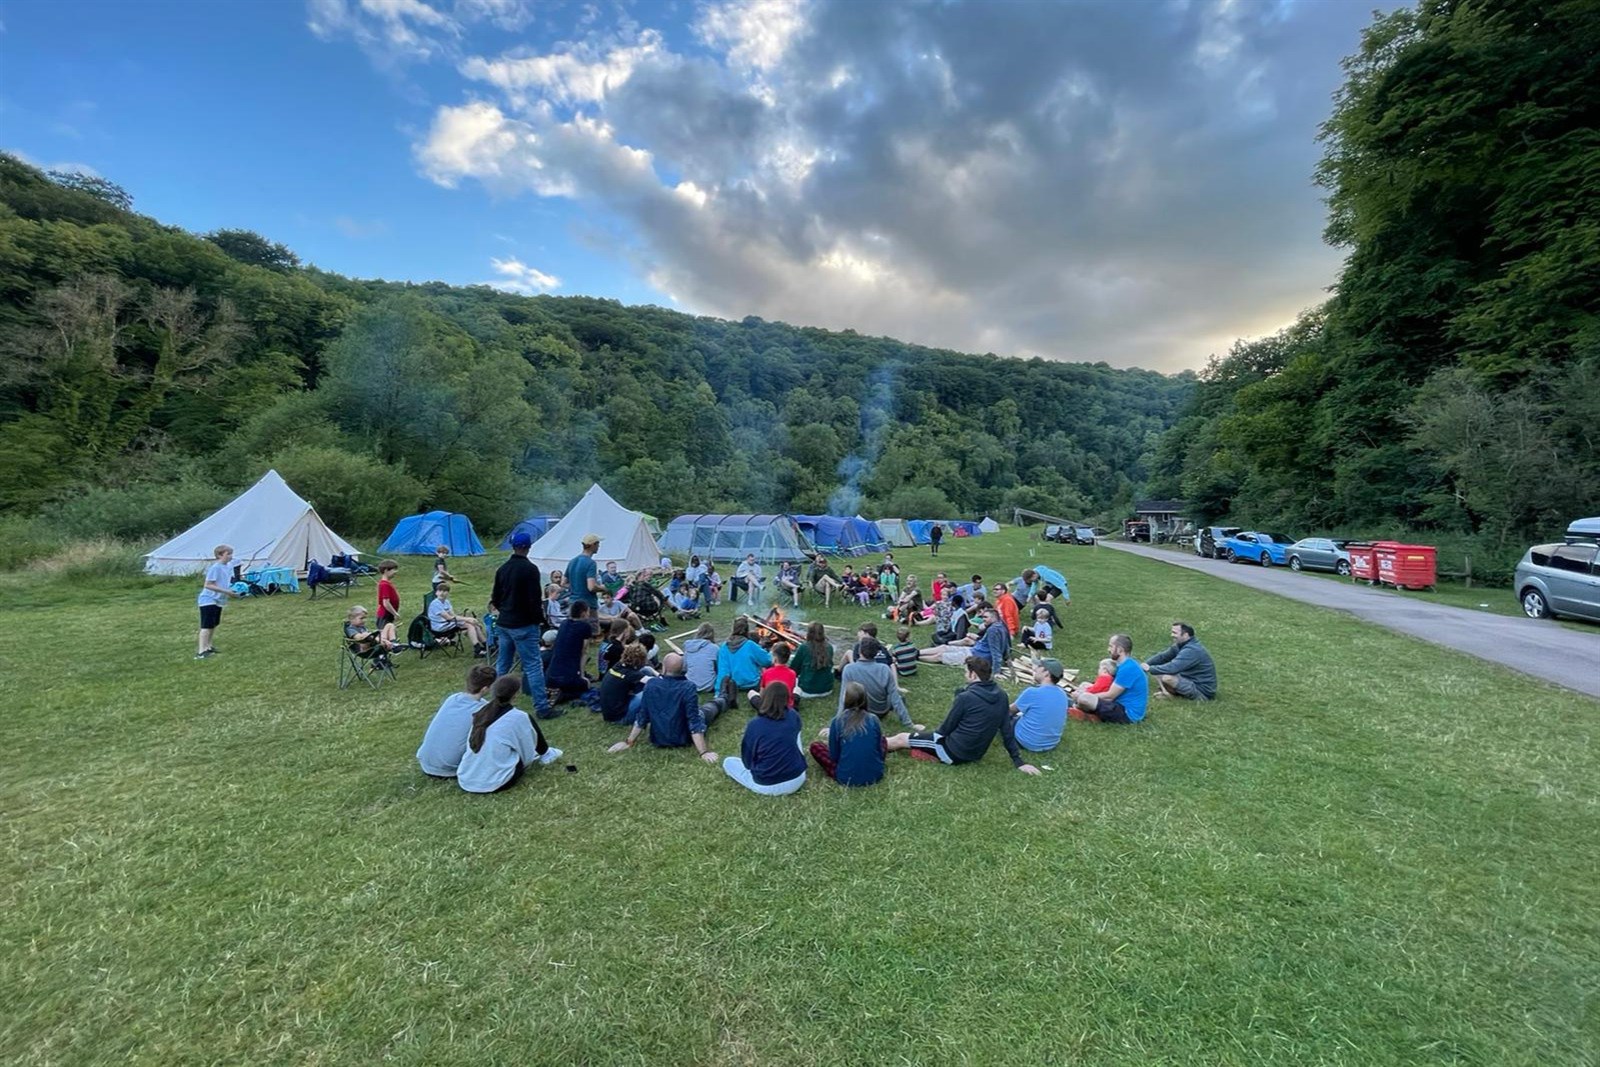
(1253, 546)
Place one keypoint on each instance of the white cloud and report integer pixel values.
(388, 31)
(1132, 192)
(358, 229)
(506, 14)
(517, 277)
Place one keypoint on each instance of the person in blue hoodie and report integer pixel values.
(740, 662)
(770, 761)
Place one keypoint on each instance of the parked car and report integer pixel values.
(1082, 535)
(1209, 537)
(1256, 547)
(1557, 580)
(1319, 554)
(1061, 535)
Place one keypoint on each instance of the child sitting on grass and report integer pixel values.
(1039, 636)
(904, 653)
(852, 747)
(770, 761)
(445, 740)
(503, 742)
(1103, 678)
(780, 671)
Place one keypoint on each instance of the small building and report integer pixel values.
(1166, 517)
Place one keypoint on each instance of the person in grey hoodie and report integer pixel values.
(700, 654)
(1185, 669)
(878, 679)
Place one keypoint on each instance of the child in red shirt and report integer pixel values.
(780, 671)
(388, 595)
(1102, 681)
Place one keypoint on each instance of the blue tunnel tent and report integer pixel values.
(919, 530)
(833, 534)
(419, 535)
(535, 525)
(727, 538)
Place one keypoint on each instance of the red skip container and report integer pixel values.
(1405, 566)
(1363, 562)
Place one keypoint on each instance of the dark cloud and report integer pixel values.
(1118, 181)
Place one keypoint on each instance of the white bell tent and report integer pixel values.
(624, 536)
(268, 525)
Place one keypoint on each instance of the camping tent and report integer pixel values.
(961, 528)
(268, 525)
(896, 533)
(420, 535)
(535, 526)
(870, 535)
(988, 525)
(920, 530)
(726, 538)
(832, 534)
(624, 537)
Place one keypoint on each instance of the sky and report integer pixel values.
(1124, 181)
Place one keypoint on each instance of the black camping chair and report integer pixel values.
(326, 581)
(370, 664)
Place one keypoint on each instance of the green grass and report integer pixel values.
(1370, 850)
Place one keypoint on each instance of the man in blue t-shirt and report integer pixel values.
(1040, 712)
(1126, 699)
(583, 576)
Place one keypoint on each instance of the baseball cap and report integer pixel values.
(591, 539)
(521, 539)
(1053, 666)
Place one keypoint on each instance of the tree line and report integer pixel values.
(1450, 387)
(150, 373)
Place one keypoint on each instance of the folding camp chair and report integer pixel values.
(421, 636)
(326, 581)
(371, 665)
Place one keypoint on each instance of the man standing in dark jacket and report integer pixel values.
(1185, 669)
(981, 710)
(518, 603)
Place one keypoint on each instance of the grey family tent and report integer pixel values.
(896, 533)
(728, 538)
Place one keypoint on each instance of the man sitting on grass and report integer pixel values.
(875, 676)
(1184, 670)
(1129, 693)
(1040, 713)
(670, 709)
(979, 711)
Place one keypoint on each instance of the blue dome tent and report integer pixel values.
(419, 535)
(832, 534)
(536, 527)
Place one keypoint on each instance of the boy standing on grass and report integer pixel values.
(441, 570)
(215, 593)
(388, 595)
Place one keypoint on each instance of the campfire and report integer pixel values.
(774, 628)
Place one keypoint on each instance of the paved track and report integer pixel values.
(1543, 649)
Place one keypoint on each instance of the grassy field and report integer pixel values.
(1369, 850)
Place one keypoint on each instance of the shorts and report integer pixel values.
(1112, 711)
(932, 741)
(384, 618)
(1184, 687)
(955, 657)
(210, 616)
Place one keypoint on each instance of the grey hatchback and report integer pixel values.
(1559, 580)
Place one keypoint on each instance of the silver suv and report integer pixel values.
(1559, 580)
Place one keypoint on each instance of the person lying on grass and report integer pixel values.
(1125, 700)
(366, 642)
(771, 760)
(1184, 670)
(504, 742)
(851, 749)
(672, 712)
(445, 740)
(958, 641)
(979, 711)
(443, 620)
(879, 681)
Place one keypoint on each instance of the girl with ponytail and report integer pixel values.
(504, 742)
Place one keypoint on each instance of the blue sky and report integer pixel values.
(1127, 182)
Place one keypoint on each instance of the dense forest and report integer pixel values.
(1451, 385)
(150, 373)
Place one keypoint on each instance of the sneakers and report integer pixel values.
(551, 754)
(207, 654)
(397, 649)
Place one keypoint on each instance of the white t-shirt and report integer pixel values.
(438, 611)
(219, 573)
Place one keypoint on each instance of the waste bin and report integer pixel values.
(1363, 562)
(1406, 566)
